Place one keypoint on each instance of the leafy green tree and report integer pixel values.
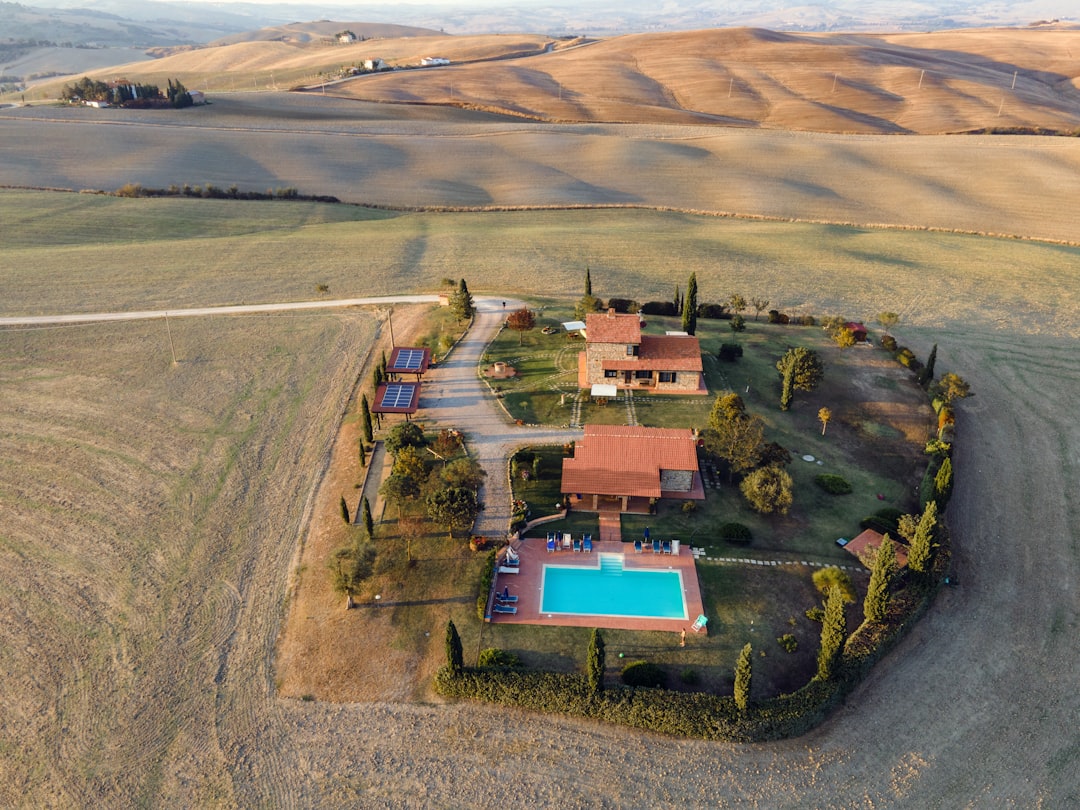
(921, 551)
(825, 579)
(365, 518)
(843, 337)
(952, 387)
(787, 387)
(463, 472)
(926, 376)
(690, 306)
(943, 481)
(876, 603)
(350, 566)
(596, 663)
(759, 305)
(768, 490)
(345, 510)
(737, 323)
(739, 440)
(399, 489)
(404, 434)
(743, 673)
(461, 302)
(833, 635)
(521, 321)
(456, 506)
(587, 304)
(737, 303)
(804, 367)
(726, 407)
(455, 658)
(408, 464)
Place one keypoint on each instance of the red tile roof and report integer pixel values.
(607, 327)
(662, 353)
(620, 460)
(865, 546)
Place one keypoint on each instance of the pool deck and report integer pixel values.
(527, 584)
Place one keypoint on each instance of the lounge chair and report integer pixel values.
(512, 557)
(504, 609)
(509, 569)
(577, 544)
(655, 546)
(667, 546)
(587, 543)
(507, 600)
(551, 543)
(637, 546)
(566, 540)
(699, 623)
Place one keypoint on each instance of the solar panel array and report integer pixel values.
(409, 359)
(397, 395)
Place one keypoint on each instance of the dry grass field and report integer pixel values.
(150, 514)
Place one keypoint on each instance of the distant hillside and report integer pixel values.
(303, 32)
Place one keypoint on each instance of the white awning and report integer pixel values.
(606, 391)
(574, 326)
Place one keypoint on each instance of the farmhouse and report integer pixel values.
(625, 468)
(616, 353)
(864, 546)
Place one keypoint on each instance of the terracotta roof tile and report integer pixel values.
(605, 327)
(619, 460)
(865, 545)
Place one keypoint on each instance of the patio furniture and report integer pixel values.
(587, 543)
(699, 623)
(655, 546)
(512, 557)
(508, 600)
(504, 609)
(577, 544)
(550, 543)
(566, 540)
(509, 569)
(667, 546)
(637, 546)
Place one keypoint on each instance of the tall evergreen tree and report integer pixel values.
(787, 388)
(876, 604)
(455, 658)
(344, 509)
(588, 281)
(690, 306)
(943, 480)
(365, 419)
(677, 300)
(596, 662)
(366, 519)
(743, 671)
(922, 540)
(833, 634)
(363, 455)
(461, 302)
(926, 376)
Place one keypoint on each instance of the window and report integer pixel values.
(643, 375)
(631, 350)
(667, 376)
(610, 372)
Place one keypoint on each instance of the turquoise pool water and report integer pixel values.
(612, 590)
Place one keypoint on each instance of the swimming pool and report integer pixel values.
(612, 590)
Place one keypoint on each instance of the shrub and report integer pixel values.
(738, 324)
(689, 506)
(888, 342)
(643, 673)
(713, 312)
(788, 642)
(494, 657)
(730, 352)
(833, 484)
(659, 308)
(623, 305)
(907, 358)
(485, 586)
(734, 533)
(816, 613)
(884, 521)
(807, 320)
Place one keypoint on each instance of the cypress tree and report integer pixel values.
(922, 540)
(833, 634)
(595, 662)
(455, 659)
(363, 455)
(743, 667)
(677, 300)
(943, 480)
(588, 281)
(690, 306)
(876, 604)
(344, 509)
(787, 391)
(461, 304)
(926, 376)
(365, 518)
(365, 420)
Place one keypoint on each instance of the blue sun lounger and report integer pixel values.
(507, 600)
(504, 609)
(637, 546)
(577, 544)
(655, 546)
(550, 543)
(667, 546)
(587, 543)
(699, 623)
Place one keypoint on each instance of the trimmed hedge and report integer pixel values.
(659, 308)
(833, 484)
(623, 305)
(730, 352)
(643, 673)
(734, 533)
(485, 585)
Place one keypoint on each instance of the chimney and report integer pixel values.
(611, 312)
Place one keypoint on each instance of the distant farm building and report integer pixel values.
(197, 96)
(434, 61)
(375, 64)
(345, 37)
(856, 329)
